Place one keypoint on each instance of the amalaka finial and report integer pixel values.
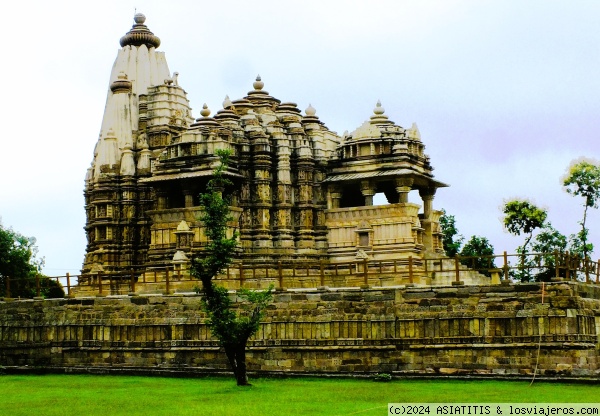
(226, 102)
(140, 34)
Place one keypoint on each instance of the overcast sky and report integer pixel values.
(505, 93)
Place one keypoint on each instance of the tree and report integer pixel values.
(583, 179)
(449, 232)
(547, 243)
(523, 217)
(478, 254)
(21, 266)
(231, 328)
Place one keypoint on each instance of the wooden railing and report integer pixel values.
(409, 270)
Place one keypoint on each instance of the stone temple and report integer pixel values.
(301, 192)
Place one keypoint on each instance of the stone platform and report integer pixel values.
(487, 331)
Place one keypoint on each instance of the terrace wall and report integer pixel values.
(485, 330)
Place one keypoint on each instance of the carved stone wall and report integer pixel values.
(483, 330)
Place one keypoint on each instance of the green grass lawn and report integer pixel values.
(84, 395)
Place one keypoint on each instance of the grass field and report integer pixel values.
(84, 395)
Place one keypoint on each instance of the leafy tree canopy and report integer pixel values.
(19, 264)
(548, 242)
(583, 179)
(478, 254)
(451, 240)
(522, 216)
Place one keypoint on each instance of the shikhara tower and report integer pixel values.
(301, 192)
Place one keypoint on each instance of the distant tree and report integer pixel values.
(20, 265)
(583, 179)
(548, 242)
(451, 240)
(523, 217)
(578, 244)
(231, 328)
(478, 254)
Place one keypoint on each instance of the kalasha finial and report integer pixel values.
(205, 112)
(310, 111)
(226, 102)
(140, 34)
(139, 18)
(378, 108)
(258, 84)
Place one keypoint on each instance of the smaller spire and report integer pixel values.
(122, 84)
(310, 110)
(226, 102)
(205, 120)
(414, 133)
(378, 116)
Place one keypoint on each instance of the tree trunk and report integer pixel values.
(236, 354)
(583, 233)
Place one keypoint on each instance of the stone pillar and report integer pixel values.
(334, 197)
(368, 190)
(305, 168)
(189, 198)
(284, 240)
(403, 187)
(427, 195)
(262, 241)
(161, 200)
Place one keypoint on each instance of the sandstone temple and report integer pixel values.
(301, 195)
(301, 192)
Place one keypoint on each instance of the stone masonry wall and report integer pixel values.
(483, 330)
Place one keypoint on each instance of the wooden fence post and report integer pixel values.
(586, 262)
(37, 285)
(457, 269)
(505, 266)
(68, 285)
(8, 287)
